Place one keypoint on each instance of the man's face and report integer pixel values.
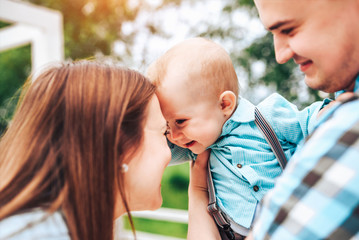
(321, 36)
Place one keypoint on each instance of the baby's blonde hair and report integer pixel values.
(206, 65)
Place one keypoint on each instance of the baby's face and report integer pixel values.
(193, 122)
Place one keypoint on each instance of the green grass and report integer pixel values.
(158, 227)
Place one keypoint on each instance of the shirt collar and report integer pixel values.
(244, 113)
(356, 88)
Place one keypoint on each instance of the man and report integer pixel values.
(317, 196)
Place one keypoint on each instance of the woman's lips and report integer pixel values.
(190, 144)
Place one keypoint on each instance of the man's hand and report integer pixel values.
(198, 173)
(200, 223)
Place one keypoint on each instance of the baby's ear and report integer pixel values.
(228, 101)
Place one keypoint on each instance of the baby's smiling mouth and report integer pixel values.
(190, 144)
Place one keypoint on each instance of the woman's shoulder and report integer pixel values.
(34, 224)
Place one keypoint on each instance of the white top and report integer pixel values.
(36, 224)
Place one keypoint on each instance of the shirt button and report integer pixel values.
(256, 188)
(239, 165)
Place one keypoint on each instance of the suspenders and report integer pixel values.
(220, 218)
(271, 138)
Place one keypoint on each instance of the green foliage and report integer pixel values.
(4, 24)
(91, 27)
(15, 65)
(14, 69)
(174, 186)
(279, 75)
(282, 78)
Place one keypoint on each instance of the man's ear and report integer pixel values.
(228, 102)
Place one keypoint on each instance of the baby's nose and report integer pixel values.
(176, 134)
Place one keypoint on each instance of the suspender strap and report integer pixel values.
(222, 222)
(271, 138)
(273, 142)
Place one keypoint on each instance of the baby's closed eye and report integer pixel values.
(180, 121)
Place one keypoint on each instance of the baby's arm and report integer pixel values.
(290, 124)
(312, 113)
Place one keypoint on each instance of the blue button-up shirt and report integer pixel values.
(317, 196)
(239, 189)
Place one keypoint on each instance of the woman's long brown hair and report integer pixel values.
(74, 126)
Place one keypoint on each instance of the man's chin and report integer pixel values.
(315, 83)
(328, 85)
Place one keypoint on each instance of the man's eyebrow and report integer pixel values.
(278, 25)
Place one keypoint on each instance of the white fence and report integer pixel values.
(162, 214)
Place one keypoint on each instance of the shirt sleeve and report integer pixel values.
(317, 196)
(180, 155)
(290, 124)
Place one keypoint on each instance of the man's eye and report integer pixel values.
(287, 31)
(180, 121)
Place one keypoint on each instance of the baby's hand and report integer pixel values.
(324, 109)
(341, 98)
(345, 96)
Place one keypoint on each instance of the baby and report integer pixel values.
(198, 92)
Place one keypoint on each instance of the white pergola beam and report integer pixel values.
(28, 13)
(9, 36)
(39, 26)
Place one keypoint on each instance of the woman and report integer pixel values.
(85, 146)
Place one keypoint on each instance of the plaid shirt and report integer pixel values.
(317, 197)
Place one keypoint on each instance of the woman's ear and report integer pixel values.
(228, 102)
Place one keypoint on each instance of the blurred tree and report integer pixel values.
(14, 68)
(91, 26)
(90, 29)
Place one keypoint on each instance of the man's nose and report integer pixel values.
(283, 51)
